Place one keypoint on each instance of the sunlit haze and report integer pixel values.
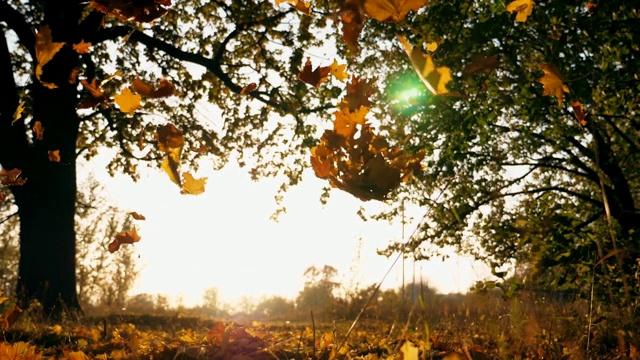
(225, 239)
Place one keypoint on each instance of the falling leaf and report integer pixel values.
(338, 71)
(82, 47)
(128, 101)
(192, 185)
(523, 8)
(165, 88)
(302, 6)
(578, 111)
(481, 64)
(591, 7)
(124, 237)
(11, 177)
(139, 11)
(314, 77)
(171, 142)
(54, 155)
(352, 16)
(434, 78)
(137, 216)
(553, 85)
(249, 88)
(392, 10)
(358, 93)
(17, 114)
(432, 46)
(45, 50)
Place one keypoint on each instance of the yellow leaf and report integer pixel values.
(45, 51)
(38, 129)
(392, 10)
(523, 8)
(432, 46)
(434, 78)
(18, 113)
(553, 85)
(192, 185)
(54, 155)
(302, 6)
(82, 47)
(409, 351)
(128, 101)
(57, 329)
(338, 71)
(171, 168)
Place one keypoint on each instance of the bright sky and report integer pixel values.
(224, 238)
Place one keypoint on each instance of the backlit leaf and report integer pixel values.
(11, 177)
(578, 111)
(313, 77)
(124, 237)
(352, 16)
(17, 114)
(249, 88)
(82, 47)
(522, 8)
(45, 49)
(392, 10)
(553, 85)
(434, 78)
(338, 71)
(127, 101)
(164, 88)
(193, 186)
(137, 216)
(38, 129)
(54, 155)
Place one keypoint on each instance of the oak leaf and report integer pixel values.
(82, 47)
(164, 88)
(522, 8)
(553, 85)
(434, 78)
(45, 50)
(54, 155)
(124, 237)
(313, 77)
(392, 10)
(128, 101)
(193, 186)
(11, 177)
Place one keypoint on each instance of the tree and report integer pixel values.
(532, 156)
(317, 295)
(67, 68)
(274, 307)
(211, 301)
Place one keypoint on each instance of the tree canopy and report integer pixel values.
(514, 122)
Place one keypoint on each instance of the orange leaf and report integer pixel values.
(313, 77)
(128, 101)
(164, 88)
(481, 64)
(124, 237)
(54, 155)
(82, 47)
(392, 10)
(553, 85)
(352, 16)
(358, 93)
(11, 177)
(45, 49)
(523, 8)
(434, 78)
(249, 88)
(137, 216)
(17, 114)
(10, 317)
(578, 111)
(193, 186)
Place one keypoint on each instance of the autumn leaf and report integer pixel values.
(3, 298)
(128, 101)
(481, 64)
(523, 9)
(171, 142)
(358, 93)
(193, 186)
(249, 88)
(11, 177)
(431, 46)
(578, 111)
(82, 47)
(553, 85)
(124, 237)
(137, 216)
(17, 114)
(409, 351)
(313, 77)
(392, 10)
(45, 50)
(139, 11)
(54, 155)
(302, 6)
(164, 88)
(10, 318)
(352, 16)
(434, 78)
(338, 71)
